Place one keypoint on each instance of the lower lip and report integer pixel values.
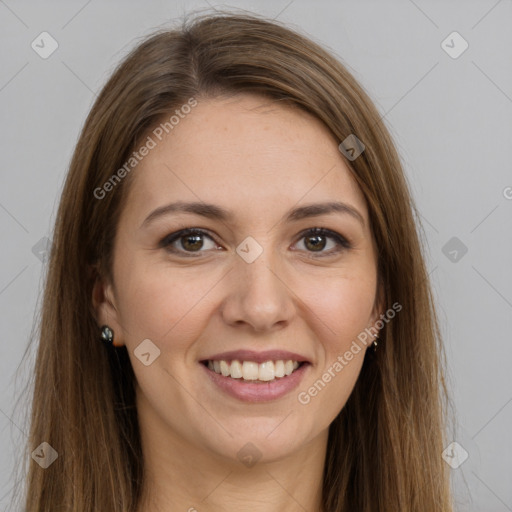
(257, 391)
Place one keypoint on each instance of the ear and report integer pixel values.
(104, 305)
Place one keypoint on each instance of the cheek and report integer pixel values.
(343, 309)
(162, 303)
(343, 303)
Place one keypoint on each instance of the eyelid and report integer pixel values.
(342, 242)
(169, 239)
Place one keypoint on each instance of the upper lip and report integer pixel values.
(257, 357)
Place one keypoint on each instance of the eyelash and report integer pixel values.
(342, 242)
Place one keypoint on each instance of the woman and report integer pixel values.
(237, 314)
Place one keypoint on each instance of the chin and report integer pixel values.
(262, 440)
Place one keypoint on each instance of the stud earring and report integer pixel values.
(375, 344)
(107, 335)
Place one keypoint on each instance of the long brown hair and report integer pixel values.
(384, 447)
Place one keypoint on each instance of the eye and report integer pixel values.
(191, 240)
(188, 240)
(315, 240)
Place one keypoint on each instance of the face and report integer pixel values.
(261, 277)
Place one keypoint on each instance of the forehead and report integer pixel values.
(243, 152)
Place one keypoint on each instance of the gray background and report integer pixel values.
(451, 120)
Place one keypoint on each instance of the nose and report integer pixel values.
(258, 296)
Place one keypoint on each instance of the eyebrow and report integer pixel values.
(212, 211)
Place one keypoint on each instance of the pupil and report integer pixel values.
(316, 245)
(197, 244)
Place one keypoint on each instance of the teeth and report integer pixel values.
(249, 370)
(279, 369)
(224, 368)
(235, 370)
(266, 371)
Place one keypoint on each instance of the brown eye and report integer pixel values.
(188, 241)
(317, 239)
(315, 242)
(191, 242)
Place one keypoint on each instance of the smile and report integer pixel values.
(253, 382)
(267, 371)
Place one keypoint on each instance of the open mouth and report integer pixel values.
(250, 371)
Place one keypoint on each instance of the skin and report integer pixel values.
(258, 160)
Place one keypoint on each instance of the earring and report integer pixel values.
(375, 344)
(107, 335)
